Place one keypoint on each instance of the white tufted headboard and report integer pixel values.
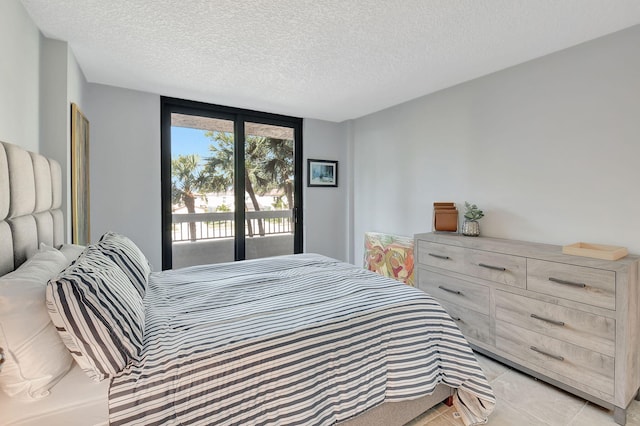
(30, 201)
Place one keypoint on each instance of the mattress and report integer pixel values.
(74, 401)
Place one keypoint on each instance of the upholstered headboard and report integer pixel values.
(30, 201)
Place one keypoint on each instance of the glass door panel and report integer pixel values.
(269, 190)
(202, 190)
(230, 184)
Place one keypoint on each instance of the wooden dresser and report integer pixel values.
(569, 320)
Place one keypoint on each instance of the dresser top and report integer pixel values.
(549, 252)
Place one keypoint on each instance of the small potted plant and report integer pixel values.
(472, 214)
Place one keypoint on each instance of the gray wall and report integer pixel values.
(61, 82)
(19, 77)
(125, 173)
(549, 149)
(326, 209)
(125, 166)
(39, 78)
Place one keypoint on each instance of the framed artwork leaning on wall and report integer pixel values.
(80, 229)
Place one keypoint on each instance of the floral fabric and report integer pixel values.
(389, 255)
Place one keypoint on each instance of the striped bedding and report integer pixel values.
(300, 339)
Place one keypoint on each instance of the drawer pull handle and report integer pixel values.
(565, 282)
(560, 323)
(439, 256)
(558, 357)
(449, 290)
(497, 268)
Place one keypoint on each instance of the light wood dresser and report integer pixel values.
(569, 320)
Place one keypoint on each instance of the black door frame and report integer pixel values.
(239, 117)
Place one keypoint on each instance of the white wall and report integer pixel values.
(549, 149)
(61, 82)
(19, 76)
(39, 77)
(125, 173)
(125, 166)
(326, 209)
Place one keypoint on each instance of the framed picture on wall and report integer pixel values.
(322, 173)
(79, 177)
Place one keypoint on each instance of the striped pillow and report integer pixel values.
(128, 257)
(98, 314)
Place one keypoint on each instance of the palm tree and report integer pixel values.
(190, 180)
(279, 166)
(268, 165)
(221, 167)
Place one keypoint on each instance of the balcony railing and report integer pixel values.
(208, 226)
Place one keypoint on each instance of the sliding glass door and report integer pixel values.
(269, 182)
(231, 184)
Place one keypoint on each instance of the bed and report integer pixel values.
(299, 339)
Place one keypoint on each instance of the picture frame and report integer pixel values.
(322, 173)
(80, 223)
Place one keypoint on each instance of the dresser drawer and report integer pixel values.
(474, 325)
(441, 256)
(590, 368)
(591, 286)
(453, 290)
(579, 315)
(590, 331)
(497, 267)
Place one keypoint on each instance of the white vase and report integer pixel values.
(470, 228)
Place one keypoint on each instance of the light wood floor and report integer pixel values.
(522, 400)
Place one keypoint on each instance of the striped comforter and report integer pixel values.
(300, 339)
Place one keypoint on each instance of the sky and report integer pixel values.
(186, 140)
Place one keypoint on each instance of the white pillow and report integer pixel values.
(71, 251)
(35, 356)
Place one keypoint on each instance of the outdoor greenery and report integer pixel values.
(189, 180)
(269, 165)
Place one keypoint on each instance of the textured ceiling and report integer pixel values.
(325, 59)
